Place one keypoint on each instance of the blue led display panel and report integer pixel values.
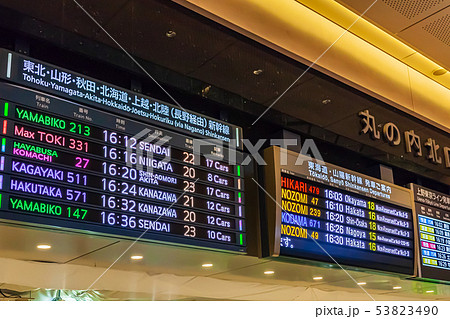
(432, 211)
(327, 213)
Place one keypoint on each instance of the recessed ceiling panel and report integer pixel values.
(422, 24)
(432, 36)
(395, 15)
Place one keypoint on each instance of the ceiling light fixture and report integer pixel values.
(137, 257)
(171, 34)
(439, 71)
(429, 291)
(257, 72)
(362, 283)
(43, 246)
(269, 272)
(397, 287)
(318, 278)
(207, 265)
(205, 91)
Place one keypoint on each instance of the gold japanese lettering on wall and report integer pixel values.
(413, 142)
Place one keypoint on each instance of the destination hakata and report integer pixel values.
(299, 186)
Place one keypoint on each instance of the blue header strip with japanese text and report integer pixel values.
(52, 79)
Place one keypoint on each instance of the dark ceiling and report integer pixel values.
(214, 64)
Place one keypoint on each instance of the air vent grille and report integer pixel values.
(412, 8)
(440, 29)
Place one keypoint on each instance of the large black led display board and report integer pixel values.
(432, 212)
(321, 212)
(120, 164)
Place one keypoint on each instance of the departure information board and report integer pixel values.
(433, 231)
(79, 167)
(327, 213)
